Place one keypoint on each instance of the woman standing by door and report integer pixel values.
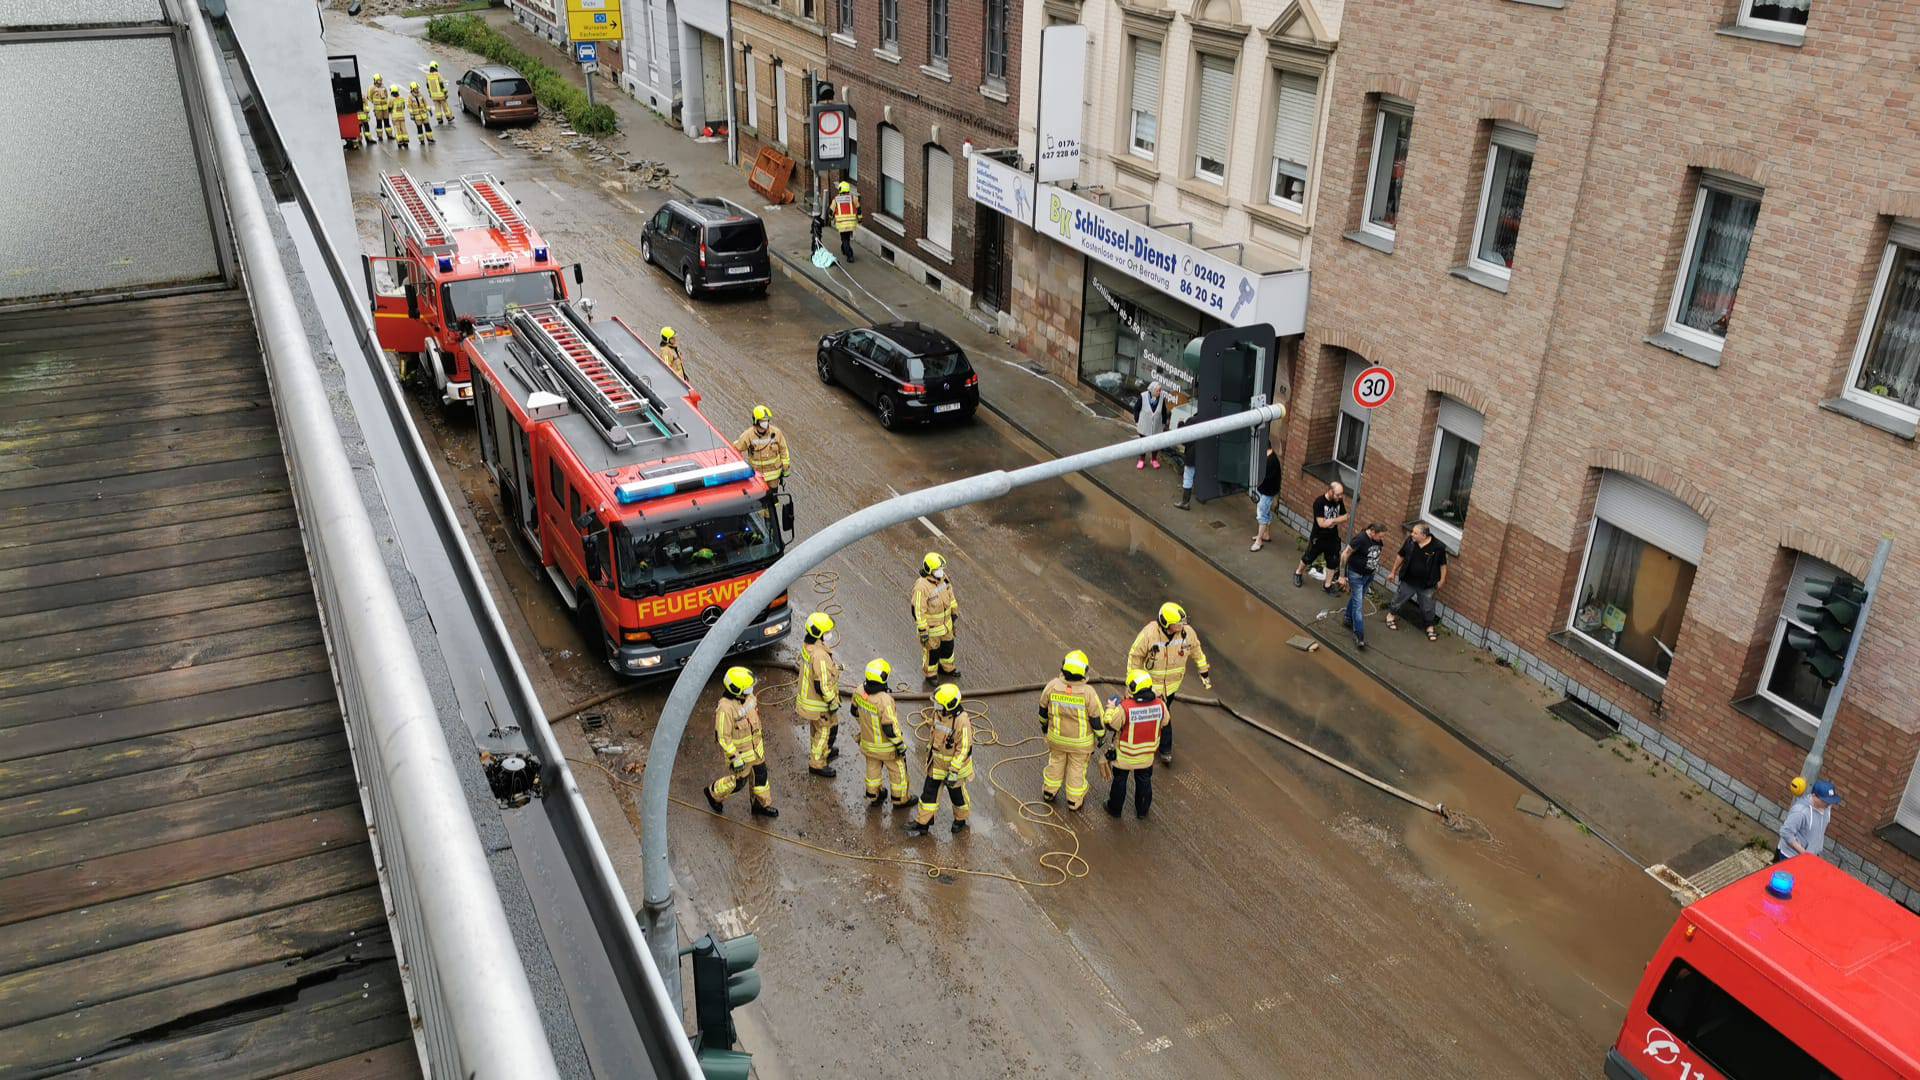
(1156, 408)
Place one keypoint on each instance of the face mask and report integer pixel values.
(940, 574)
(829, 638)
(762, 424)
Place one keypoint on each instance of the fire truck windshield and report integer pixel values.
(488, 297)
(694, 553)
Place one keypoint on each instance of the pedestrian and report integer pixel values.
(1420, 568)
(1358, 563)
(1136, 726)
(1264, 493)
(1187, 472)
(1156, 409)
(736, 724)
(936, 617)
(765, 447)
(949, 761)
(1071, 719)
(1162, 649)
(846, 218)
(817, 699)
(669, 351)
(437, 90)
(880, 736)
(1804, 832)
(1323, 539)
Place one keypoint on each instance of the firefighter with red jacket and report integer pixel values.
(1136, 724)
(846, 218)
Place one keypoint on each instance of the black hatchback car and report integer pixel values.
(908, 372)
(709, 244)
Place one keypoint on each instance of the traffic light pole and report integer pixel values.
(1811, 769)
(658, 917)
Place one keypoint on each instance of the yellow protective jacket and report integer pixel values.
(877, 717)
(950, 747)
(846, 212)
(670, 356)
(819, 692)
(375, 99)
(1164, 657)
(934, 606)
(417, 106)
(766, 453)
(436, 86)
(736, 724)
(1071, 714)
(1136, 727)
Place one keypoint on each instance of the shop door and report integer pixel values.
(1244, 373)
(990, 260)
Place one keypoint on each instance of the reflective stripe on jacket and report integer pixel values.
(819, 692)
(736, 724)
(877, 716)
(1074, 716)
(1136, 732)
(766, 453)
(950, 742)
(436, 87)
(934, 606)
(1164, 656)
(846, 212)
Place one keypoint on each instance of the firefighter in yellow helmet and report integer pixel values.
(396, 118)
(766, 448)
(736, 724)
(1136, 724)
(373, 107)
(437, 90)
(1071, 717)
(669, 351)
(1162, 649)
(422, 112)
(936, 616)
(818, 697)
(882, 739)
(846, 218)
(949, 761)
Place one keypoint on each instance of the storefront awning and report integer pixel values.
(1190, 274)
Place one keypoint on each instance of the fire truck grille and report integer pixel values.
(681, 632)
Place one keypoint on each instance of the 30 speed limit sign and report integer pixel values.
(1373, 387)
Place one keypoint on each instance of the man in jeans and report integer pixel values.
(1421, 568)
(1359, 562)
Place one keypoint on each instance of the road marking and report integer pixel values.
(1216, 1023)
(629, 206)
(1154, 1046)
(731, 922)
(931, 527)
(556, 195)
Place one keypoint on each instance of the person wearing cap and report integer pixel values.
(1805, 830)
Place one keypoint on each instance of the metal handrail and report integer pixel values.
(475, 1012)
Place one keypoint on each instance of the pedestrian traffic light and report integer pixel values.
(723, 980)
(823, 91)
(1829, 625)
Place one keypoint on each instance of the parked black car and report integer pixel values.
(709, 244)
(908, 372)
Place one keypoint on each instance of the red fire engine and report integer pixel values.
(458, 252)
(645, 518)
(1798, 971)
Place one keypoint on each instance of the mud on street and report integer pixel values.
(1272, 917)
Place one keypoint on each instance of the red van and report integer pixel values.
(1798, 972)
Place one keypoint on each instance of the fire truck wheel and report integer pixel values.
(889, 411)
(587, 616)
(824, 364)
(646, 250)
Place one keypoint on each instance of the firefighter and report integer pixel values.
(936, 616)
(396, 116)
(670, 354)
(818, 698)
(1161, 649)
(881, 737)
(1071, 717)
(949, 761)
(846, 218)
(422, 112)
(1136, 725)
(373, 107)
(736, 724)
(766, 448)
(437, 90)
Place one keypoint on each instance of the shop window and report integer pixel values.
(1886, 359)
(1783, 16)
(1143, 108)
(939, 198)
(1642, 549)
(1456, 452)
(1295, 108)
(1787, 681)
(1392, 134)
(1724, 213)
(937, 33)
(1723, 1030)
(893, 173)
(1131, 334)
(1213, 118)
(1503, 198)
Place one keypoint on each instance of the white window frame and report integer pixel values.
(890, 42)
(939, 33)
(1366, 430)
(844, 13)
(881, 188)
(1580, 589)
(1313, 143)
(1200, 58)
(1133, 106)
(1787, 617)
(1505, 138)
(1445, 530)
(1903, 234)
(753, 87)
(1746, 18)
(780, 101)
(1726, 185)
(937, 207)
(1388, 106)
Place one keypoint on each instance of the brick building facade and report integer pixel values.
(780, 49)
(928, 78)
(1539, 216)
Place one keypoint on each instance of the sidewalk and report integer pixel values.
(1632, 800)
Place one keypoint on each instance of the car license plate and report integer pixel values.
(739, 269)
(514, 104)
(951, 406)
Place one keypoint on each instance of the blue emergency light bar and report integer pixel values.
(712, 476)
(439, 189)
(446, 264)
(540, 254)
(1780, 885)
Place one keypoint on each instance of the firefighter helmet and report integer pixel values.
(433, 65)
(376, 76)
(1171, 615)
(738, 681)
(1138, 682)
(819, 625)
(933, 563)
(879, 671)
(1075, 665)
(948, 698)
(845, 188)
(396, 91)
(762, 414)
(413, 86)
(666, 333)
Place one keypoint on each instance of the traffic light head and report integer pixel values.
(1829, 624)
(723, 980)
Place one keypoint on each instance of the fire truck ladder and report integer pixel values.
(416, 211)
(590, 374)
(491, 196)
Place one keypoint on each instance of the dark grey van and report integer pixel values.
(711, 245)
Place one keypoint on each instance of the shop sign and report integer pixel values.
(1063, 88)
(1000, 186)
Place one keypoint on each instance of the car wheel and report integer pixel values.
(760, 291)
(888, 410)
(646, 250)
(486, 118)
(824, 364)
(686, 282)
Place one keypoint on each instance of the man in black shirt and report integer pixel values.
(1358, 563)
(1323, 540)
(1421, 568)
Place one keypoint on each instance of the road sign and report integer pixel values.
(830, 121)
(593, 20)
(1373, 387)
(586, 52)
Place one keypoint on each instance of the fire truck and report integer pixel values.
(645, 519)
(458, 252)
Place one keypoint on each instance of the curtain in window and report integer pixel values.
(1892, 365)
(1508, 200)
(1389, 168)
(1786, 11)
(1719, 255)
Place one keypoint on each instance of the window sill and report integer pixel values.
(1636, 680)
(936, 251)
(1283, 218)
(1206, 191)
(1543, 3)
(889, 57)
(1136, 166)
(891, 224)
(1872, 417)
(1692, 350)
(933, 72)
(1448, 536)
(1768, 714)
(1755, 33)
(1902, 838)
(1481, 278)
(994, 91)
(1328, 471)
(1381, 244)
(843, 39)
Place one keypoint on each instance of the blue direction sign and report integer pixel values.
(586, 52)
